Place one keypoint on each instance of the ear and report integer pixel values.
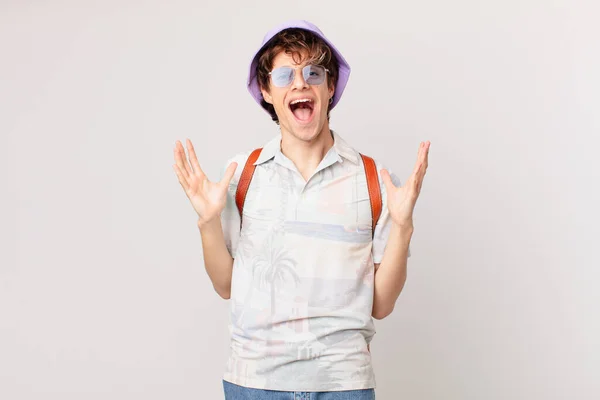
(267, 96)
(331, 90)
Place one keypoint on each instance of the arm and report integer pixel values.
(390, 275)
(217, 260)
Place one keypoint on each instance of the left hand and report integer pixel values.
(401, 200)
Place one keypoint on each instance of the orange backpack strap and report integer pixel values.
(374, 189)
(244, 182)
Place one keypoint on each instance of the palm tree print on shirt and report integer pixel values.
(272, 267)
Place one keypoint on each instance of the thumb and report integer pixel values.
(228, 174)
(387, 180)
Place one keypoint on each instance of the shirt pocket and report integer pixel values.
(345, 203)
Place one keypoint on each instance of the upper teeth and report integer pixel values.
(300, 101)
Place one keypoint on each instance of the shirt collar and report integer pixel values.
(343, 149)
(340, 147)
(269, 150)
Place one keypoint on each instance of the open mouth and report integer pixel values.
(303, 109)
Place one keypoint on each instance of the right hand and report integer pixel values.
(208, 198)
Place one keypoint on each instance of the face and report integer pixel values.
(304, 120)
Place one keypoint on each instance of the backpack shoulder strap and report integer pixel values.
(244, 182)
(374, 189)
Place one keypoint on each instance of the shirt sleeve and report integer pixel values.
(382, 229)
(230, 217)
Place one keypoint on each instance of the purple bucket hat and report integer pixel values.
(344, 70)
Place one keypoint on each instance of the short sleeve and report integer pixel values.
(382, 229)
(230, 217)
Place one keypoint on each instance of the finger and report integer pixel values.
(387, 180)
(411, 182)
(194, 159)
(425, 157)
(423, 150)
(422, 159)
(416, 178)
(418, 187)
(419, 159)
(182, 179)
(418, 167)
(420, 175)
(229, 172)
(419, 179)
(186, 163)
(180, 159)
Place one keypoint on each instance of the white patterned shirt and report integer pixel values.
(303, 273)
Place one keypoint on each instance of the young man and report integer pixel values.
(304, 267)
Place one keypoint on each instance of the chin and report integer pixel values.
(306, 133)
(306, 130)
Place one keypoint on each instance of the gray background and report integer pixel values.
(103, 292)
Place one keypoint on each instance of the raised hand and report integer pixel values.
(401, 200)
(208, 198)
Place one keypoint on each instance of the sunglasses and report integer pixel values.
(313, 75)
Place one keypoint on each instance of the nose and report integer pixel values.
(299, 82)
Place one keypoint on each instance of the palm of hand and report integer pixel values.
(208, 198)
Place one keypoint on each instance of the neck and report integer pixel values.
(306, 154)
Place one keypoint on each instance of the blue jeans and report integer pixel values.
(236, 392)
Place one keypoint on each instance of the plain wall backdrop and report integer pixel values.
(103, 292)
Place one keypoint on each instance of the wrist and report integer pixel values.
(204, 225)
(404, 229)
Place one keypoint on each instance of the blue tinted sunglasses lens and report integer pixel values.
(313, 74)
(282, 76)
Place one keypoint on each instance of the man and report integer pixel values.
(304, 269)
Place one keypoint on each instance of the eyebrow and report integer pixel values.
(298, 65)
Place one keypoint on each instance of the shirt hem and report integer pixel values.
(284, 386)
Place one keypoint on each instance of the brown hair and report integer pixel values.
(296, 42)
